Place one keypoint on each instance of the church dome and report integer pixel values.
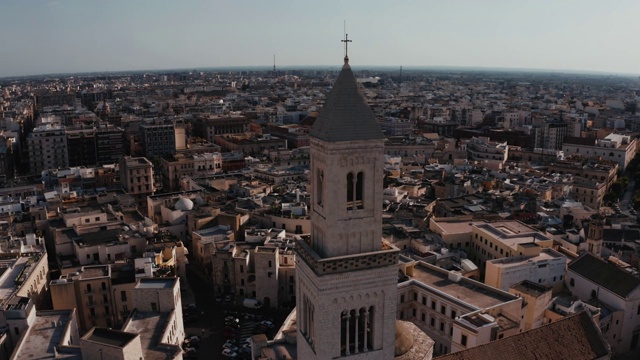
(404, 339)
(184, 204)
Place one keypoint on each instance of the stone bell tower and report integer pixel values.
(346, 276)
(594, 235)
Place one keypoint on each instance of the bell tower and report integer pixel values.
(346, 275)
(594, 235)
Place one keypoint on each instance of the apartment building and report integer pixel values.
(442, 303)
(192, 165)
(53, 334)
(47, 146)
(101, 295)
(496, 240)
(158, 138)
(481, 148)
(546, 268)
(588, 192)
(208, 128)
(262, 268)
(23, 281)
(81, 147)
(136, 177)
(614, 147)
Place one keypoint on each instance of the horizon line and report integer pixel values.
(330, 67)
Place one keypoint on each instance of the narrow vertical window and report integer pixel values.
(349, 191)
(319, 179)
(359, 190)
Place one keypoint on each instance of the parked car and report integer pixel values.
(194, 338)
(229, 353)
(252, 303)
(229, 344)
(268, 324)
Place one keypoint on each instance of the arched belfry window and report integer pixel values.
(319, 185)
(355, 191)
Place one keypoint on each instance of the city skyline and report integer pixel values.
(70, 36)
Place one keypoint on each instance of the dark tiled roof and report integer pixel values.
(576, 337)
(616, 235)
(604, 274)
(346, 115)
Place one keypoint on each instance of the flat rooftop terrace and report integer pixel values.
(545, 254)
(110, 337)
(158, 283)
(150, 326)
(465, 290)
(42, 337)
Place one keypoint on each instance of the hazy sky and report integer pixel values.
(49, 36)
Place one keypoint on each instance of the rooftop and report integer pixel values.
(574, 337)
(466, 290)
(43, 336)
(545, 254)
(109, 337)
(530, 288)
(156, 283)
(607, 275)
(151, 326)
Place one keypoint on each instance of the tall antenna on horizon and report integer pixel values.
(274, 63)
(400, 81)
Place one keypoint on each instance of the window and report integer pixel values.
(401, 298)
(424, 317)
(269, 263)
(463, 341)
(123, 296)
(441, 326)
(424, 301)
(413, 312)
(433, 304)
(443, 309)
(319, 180)
(104, 285)
(88, 288)
(154, 306)
(415, 296)
(433, 322)
(453, 314)
(572, 282)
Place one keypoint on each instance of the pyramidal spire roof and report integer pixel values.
(346, 115)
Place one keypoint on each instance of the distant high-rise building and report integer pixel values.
(81, 147)
(158, 138)
(47, 148)
(109, 145)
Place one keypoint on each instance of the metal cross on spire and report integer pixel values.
(346, 42)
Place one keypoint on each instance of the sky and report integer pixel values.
(66, 36)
